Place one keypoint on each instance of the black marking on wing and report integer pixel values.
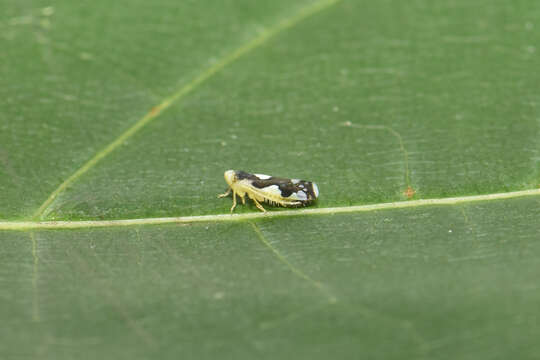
(241, 175)
(287, 188)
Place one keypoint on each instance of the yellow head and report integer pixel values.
(230, 177)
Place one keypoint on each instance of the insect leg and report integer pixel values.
(243, 199)
(225, 194)
(258, 204)
(234, 201)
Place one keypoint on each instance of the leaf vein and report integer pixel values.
(319, 286)
(182, 92)
(28, 225)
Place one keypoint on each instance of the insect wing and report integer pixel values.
(291, 189)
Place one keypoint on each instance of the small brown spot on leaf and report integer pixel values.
(409, 193)
(155, 110)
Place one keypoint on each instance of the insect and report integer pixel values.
(273, 190)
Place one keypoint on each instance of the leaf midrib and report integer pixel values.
(29, 225)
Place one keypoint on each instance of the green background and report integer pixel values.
(366, 98)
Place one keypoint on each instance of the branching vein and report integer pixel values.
(35, 292)
(331, 298)
(181, 93)
(398, 137)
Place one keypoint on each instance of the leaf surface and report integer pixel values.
(133, 110)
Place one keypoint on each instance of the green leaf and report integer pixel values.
(418, 120)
